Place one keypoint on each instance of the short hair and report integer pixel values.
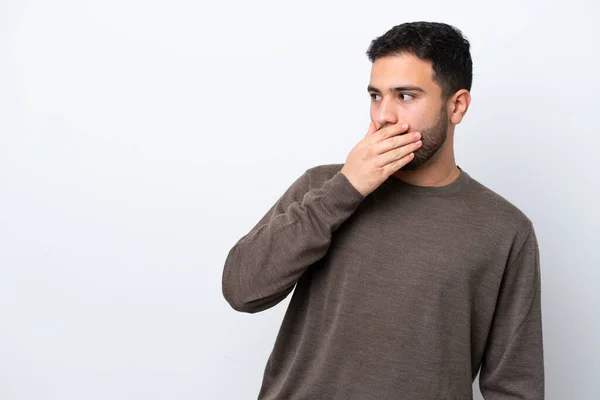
(443, 45)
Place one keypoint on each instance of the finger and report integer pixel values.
(391, 130)
(399, 163)
(397, 154)
(372, 129)
(396, 141)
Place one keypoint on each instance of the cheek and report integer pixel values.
(416, 122)
(421, 118)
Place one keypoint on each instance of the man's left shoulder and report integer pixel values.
(498, 209)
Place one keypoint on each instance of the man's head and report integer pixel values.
(421, 74)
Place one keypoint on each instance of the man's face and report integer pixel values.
(402, 89)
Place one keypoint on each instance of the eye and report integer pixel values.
(373, 96)
(410, 96)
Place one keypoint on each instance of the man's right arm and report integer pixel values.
(262, 268)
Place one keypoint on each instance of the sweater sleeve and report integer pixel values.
(263, 266)
(513, 362)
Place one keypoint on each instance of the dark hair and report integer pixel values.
(441, 44)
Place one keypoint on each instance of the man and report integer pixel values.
(410, 276)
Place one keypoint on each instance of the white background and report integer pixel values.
(140, 139)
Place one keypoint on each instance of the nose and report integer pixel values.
(385, 114)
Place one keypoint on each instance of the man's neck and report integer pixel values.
(429, 176)
(439, 170)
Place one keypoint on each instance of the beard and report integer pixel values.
(433, 139)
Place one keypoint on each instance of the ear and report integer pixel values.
(458, 106)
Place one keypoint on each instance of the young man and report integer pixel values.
(410, 276)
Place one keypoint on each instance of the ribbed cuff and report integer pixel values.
(340, 194)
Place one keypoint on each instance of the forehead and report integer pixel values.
(402, 70)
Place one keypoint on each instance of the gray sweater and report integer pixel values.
(401, 294)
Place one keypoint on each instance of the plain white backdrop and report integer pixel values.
(139, 140)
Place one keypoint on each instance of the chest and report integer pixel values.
(397, 250)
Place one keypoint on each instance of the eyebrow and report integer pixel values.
(398, 89)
